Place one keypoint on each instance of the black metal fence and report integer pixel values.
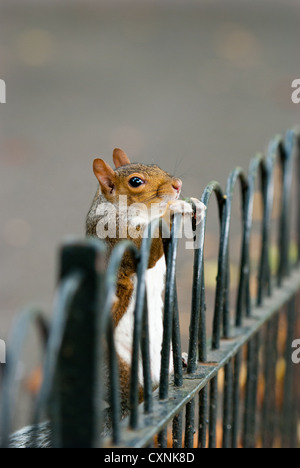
(240, 387)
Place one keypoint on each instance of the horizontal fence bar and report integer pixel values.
(165, 410)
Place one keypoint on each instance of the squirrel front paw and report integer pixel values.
(177, 207)
(191, 207)
(200, 210)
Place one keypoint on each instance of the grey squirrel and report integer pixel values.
(144, 187)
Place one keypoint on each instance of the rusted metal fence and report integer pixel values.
(240, 387)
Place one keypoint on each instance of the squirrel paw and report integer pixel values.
(178, 207)
(200, 210)
(190, 208)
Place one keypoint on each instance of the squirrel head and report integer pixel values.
(141, 183)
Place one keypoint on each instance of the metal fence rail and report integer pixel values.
(240, 388)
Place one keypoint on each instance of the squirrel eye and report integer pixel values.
(136, 182)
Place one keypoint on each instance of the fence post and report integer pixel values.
(73, 411)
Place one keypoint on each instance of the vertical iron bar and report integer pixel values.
(189, 424)
(249, 434)
(296, 371)
(242, 297)
(177, 431)
(213, 412)
(264, 267)
(227, 411)
(286, 153)
(298, 197)
(195, 314)
(139, 320)
(236, 399)
(162, 438)
(176, 343)
(226, 299)
(222, 265)
(172, 247)
(114, 377)
(203, 413)
(288, 420)
(105, 331)
(202, 341)
(145, 348)
(141, 332)
(269, 411)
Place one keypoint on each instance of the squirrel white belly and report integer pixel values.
(155, 284)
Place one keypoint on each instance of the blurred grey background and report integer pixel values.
(197, 87)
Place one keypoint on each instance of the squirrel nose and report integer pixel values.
(177, 185)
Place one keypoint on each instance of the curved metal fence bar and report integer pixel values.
(198, 313)
(141, 331)
(106, 332)
(29, 317)
(264, 276)
(276, 154)
(230, 428)
(222, 309)
(257, 165)
(222, 305)
(62, 304)
(170, 296)
(287, 156)
(280, 150)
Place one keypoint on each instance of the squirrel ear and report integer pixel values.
(120, 158)
(105, 175)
